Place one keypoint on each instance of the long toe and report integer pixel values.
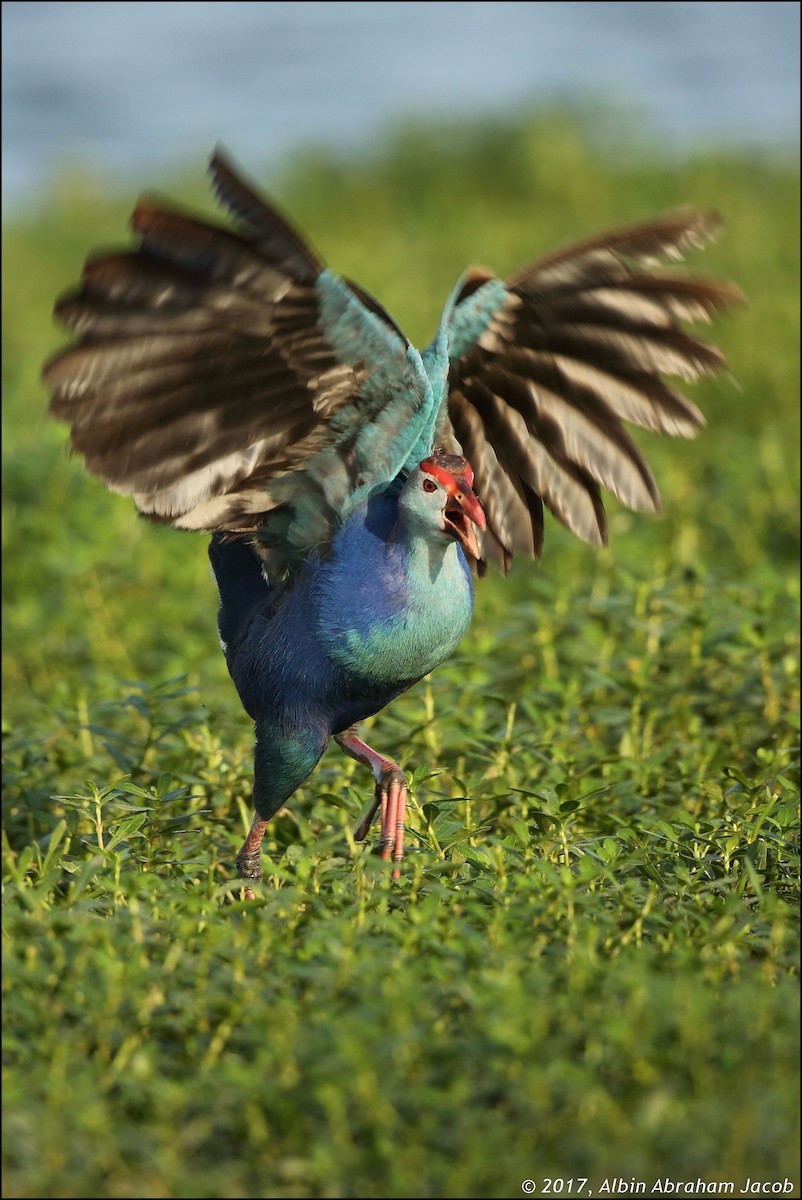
(393, 785)
(400, 828)
(361, 831)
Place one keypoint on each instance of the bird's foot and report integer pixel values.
(393, 788)
(391, 798)
(249, 864)
(249, 859)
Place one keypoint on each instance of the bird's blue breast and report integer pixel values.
(350, 633)
(389, 612)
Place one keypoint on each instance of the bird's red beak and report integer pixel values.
(464, 515)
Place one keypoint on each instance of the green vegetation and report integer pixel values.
(589, 967)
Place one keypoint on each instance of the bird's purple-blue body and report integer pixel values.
(230, 382)
(382, 610)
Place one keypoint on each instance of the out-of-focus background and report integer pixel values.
(590, 966)
(136, 88)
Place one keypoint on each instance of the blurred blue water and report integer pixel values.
(132, 87)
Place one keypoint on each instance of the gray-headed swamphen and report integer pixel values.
(230, 382)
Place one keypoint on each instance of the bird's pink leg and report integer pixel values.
(249, 859)
(391, 796)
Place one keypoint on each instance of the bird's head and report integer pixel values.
(439, 497)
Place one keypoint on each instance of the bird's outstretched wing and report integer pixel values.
(228, 381)
(548, 364)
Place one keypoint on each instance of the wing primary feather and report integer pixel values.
(546, 366)
(216, 365)
(275, 235)
(228, 380)
(669, 236)
(566, 489)
(575, 425)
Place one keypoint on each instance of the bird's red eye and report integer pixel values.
(429, 485)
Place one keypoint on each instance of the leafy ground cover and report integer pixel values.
(590, 965)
